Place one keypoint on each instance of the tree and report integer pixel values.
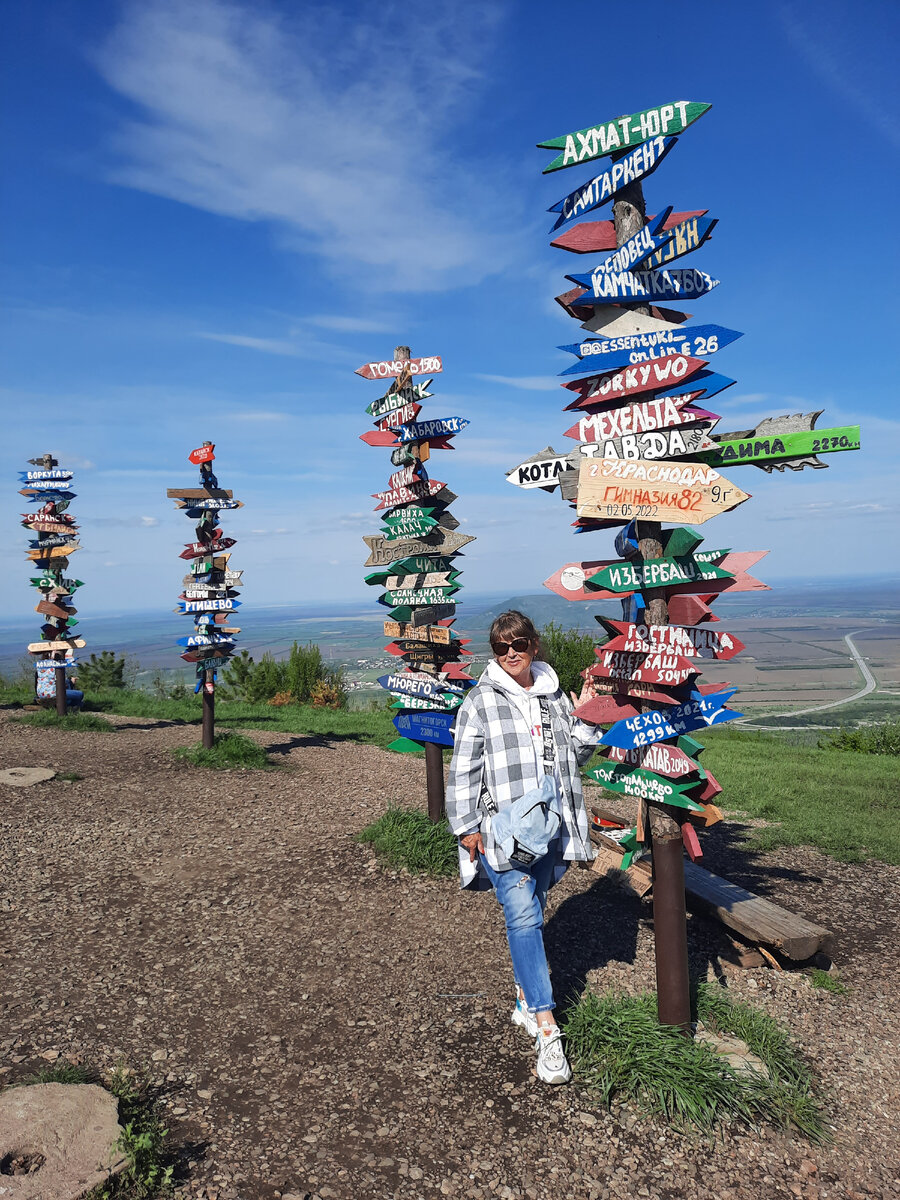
(103, 672)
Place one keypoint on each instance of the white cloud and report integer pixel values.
(149, 522)
(267, 345)
(333, 129)
(525, 383)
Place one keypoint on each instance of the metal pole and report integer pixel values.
(209, 710)
(60, 673)
(673, 998)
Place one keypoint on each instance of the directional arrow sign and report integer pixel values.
(53, 552)
(670, 761)
(404, 396)
(425, 727)
(640, 418)
(195, 507)
(202, 454)
(426, 579)
(654, 573)
(683, 493)
(427, 615)
(406, 529)
(205, 639)
(439, 634)
(779, 442)
(693, 341)
(686, 640)
(663, 245)
(620, 686)
(658, 726)
(391, 368)
(400, 416)
(420, 430)
(664, 667)
(202, 549)
(681, 283)
(604, 710)
(609, 137)
(413, 684)
(446, 702)
(634, 781)
(646, 241)
(57, 474)
(411, 512)
(418, 596)
(50, 483)
(206, 606)
(54, 497)
(50, 647)
(199, 494)
(616, 386)
(688, 441)
(571, 581)
(420, 490)
(636, 165)
(590, 237)
(382, 552)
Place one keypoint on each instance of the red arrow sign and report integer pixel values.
(654, 375)
(384, 437)
(201, 549)
(679, 639)
(400, 416)
(659, 757)
(664, 667)
(606, 710)
(644, 416)
(570, 581)
(392, 368)
(620, 686)
(403, 495)
(202, 454)
(592, 236)
(691, 610)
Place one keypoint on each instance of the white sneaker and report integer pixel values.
(552, 1066)
(521, 1016)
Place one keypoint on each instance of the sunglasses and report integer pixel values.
(520, 645)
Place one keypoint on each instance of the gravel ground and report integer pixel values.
(319, 1026)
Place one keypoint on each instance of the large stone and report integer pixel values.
(61, 1137)
(25, 776)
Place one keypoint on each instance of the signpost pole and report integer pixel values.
(434, 754)
(669, 916)
(60, 675)
(209, 709)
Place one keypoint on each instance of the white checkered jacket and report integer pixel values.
(492, 742)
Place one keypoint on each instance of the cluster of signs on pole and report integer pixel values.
(53, 540)
(646, 452)
(415, 554)
(210, 588)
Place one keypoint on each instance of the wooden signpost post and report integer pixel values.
(646, 455)
(416, 552)
(53, 542)
(210, 588)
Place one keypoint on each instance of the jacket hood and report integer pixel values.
(546, 681)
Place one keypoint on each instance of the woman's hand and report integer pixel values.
(587, 692)
(473, 843)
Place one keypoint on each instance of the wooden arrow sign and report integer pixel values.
(203, 549)
(59, 475)
(202, 454)
(653, 573)
(205, 639)
(633, 166)
(410, 512)
(429, 615)
(195, 507)
(686, 441)
(425, 727)
(51, 647)
(664, 667)
(688, 641)
(445, 702)
(605, 710)
(632, 689)
(400, 416)
(681, 283)
(649, 243)
(207, 606)
(683, 493)
(53, 552)
(50, 527)
(420, 490)
(418, 596)
(382, 552)
(213, 657)
(591, 237)
(571, 582)
(646, 241)
(389, 368)
(658, 726)
(661, 758)
(55, 610)
(439, 634)
(57, 498)
(662, 373)
(407, 529)
(779, 442)
(415, 473)
(421, 430)
(50, 484)
(426, 579)
(635, 781)
(199, 494)
(52, 540)
(612, 353)
(414, 684)
(611, 137)
(399, 399)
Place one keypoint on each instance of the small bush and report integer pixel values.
(229, 750)
(280, 699)
(568, 651)
(299, 673)
(867, 739)
(78, 722)
(327, 694)
(104, 671)
(824, 979)
(407, 838)
(142, 1141)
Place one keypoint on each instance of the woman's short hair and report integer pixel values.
(514, 624)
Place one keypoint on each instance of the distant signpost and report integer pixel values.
(417, 551)
(210, 593)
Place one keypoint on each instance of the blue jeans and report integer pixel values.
(523, 895)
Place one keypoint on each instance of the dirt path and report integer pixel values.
(322, 1027)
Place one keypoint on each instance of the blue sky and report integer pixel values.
(214, 212)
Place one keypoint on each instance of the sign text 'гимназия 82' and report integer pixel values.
(654, 490)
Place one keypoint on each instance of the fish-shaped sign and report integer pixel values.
(382, 552)
(683, 493)
(425, 727)
(637, 164)
(635, 781)
(419, 431)
(652, 243)
(611, 137)
(658, 726)
(791, 442)
(652, 376)
(686, 640)
(391, 368)
(692, 341)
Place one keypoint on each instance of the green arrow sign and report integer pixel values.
(619, 134)
(408, 529)
(635, 781)
(659, 572)
(412, 512)
(762, 449)
(415, 596)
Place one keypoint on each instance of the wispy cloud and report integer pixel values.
(525, 383)
(256, 415)
(267, 345)
(306, 121)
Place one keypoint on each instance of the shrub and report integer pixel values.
(568, 651)
(281, 698)
(326, 693)
(867, 739)
(102, 671)
(298, 674)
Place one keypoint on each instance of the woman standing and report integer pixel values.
(513, 729)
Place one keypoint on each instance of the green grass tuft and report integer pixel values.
(619, 1051)
(866, 739)
(229, 750)
(405, 837)
(824, 979)
(69, 776)
(148, 1172)
(79, 722)
(59, 1072)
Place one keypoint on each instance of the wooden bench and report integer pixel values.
(754, 918)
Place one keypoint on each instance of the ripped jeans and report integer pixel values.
(523, 895)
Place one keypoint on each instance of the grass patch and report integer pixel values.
(79, 722)
(867, 739)
(824, 979)
(59, 1072)
(405, 837)
(835, 800)
(229, 750)
(619, 1051)
(142, 1141)
(69, 776)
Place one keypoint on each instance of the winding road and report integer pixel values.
(869, 686)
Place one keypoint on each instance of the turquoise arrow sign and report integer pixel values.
(609, 137)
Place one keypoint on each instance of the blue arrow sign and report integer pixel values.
(425, 726)
(711, 383)
(207, 606)
(54, 496)
(637, 164)
(34, 477)
(681, 283)
(205, 639)
(660, 724)
(687, 235)
(416, 430)
(416, 685)
(694, 341)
